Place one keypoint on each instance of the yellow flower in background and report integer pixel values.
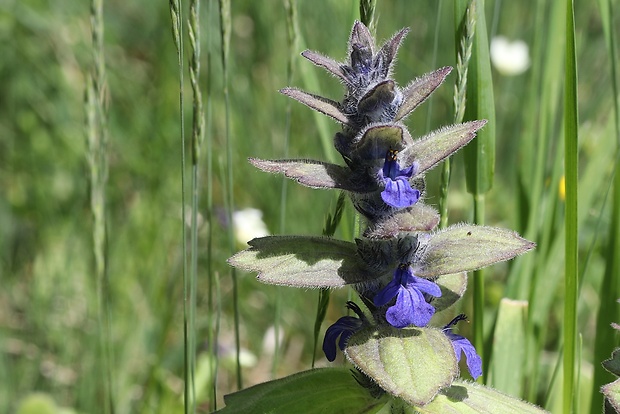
(509, 58)
(562, 188)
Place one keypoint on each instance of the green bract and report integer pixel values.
(411, 363)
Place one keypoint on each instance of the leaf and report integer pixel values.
(470, 398)
(452, 289)
(317, 391)
(508, 362)
(419, 89)
(390, 48)
(318, 103)
(360, 36)
(613, 364)
(301, 261)
(419, 217)
(410, 363)
(384, 255)
(466, 247)
(332, 66)
(375, 102)
(376, 140)
(431, 149)
(612, 395)
(313, 174)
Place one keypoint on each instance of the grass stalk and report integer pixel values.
(98, 165)
(367, 14)
(196, 141)
(465, 31)
(290, 7)
(225, 28)
(480, 153)
(434, 61)
(212, 335)
(571, 124)
(176, 14)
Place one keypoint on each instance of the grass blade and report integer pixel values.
(571, 124)
(605, 338)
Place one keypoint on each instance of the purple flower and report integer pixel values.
(462, 345)
(398, 192)
(411, 307)
(343, 328)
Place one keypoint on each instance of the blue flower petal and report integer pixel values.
(462, 345)
(426, 286)
(410, 309)
(399, 193)
(344, 327)
(388, 292)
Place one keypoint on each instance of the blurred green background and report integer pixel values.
(48, 302)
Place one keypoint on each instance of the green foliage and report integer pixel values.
(48, 296)
(333, 390)
(410, 363)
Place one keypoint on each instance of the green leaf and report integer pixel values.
(613, 364)
(431, 149)
(324, 390)
(452, 289)
(329, 64)
(376, 140)
(466, 247)
(480, 154)
(468, 398)
(301, 261)
(313, 174)
(418, 217)
(612, 395)
(419, 89)
(509, 344)
(318, 103)
(410, 363)
(377, 97)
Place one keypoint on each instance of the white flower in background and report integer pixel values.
(248, 224)
(509, 58)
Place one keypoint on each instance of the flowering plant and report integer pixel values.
(403, 270)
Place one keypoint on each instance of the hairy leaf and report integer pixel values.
(301, 261)
(612, 395)
(314, 174)
(613, 364)
(410, 363)
(377, 100)
(418, 217)
(318, 103)
(433, 148)
(466, 247)
(376, 140)
(452, 289)
(332, 66)
(317, 391)
(360, 36)
(470, 398)
(418, 90)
